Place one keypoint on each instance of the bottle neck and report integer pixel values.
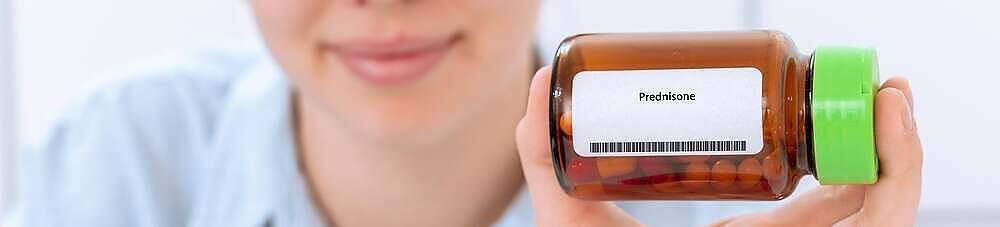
(802, 77)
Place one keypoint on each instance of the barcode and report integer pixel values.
(672, 146)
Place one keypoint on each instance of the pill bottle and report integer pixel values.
(739, 115)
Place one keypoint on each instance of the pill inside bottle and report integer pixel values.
(739, 115)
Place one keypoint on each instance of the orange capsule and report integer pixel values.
(654, 165)
(615, 166)
(566, 123)
(723, 174)
(748, 173)
(693, 158)
(775, 170)
(696, 176)
(669, 186)
(589, 190)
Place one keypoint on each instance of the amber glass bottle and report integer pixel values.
(708, 116)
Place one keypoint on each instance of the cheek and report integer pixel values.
(504, 29)
(279, 18)
(285, 25)
(494, 58)
(499, 43)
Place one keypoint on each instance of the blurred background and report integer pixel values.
(52, 50)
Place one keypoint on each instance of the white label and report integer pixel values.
(715, 111)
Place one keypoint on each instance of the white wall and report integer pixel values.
(946, 49)
(66, 45)
(561, 18)
(6, 108)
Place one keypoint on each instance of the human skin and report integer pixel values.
(405, 110)
(892, 201)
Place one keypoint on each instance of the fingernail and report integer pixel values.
(908, 123)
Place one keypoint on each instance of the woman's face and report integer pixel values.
(401, 70)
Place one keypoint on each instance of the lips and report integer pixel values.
(393, 62)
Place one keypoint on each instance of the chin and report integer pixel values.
(411, 128)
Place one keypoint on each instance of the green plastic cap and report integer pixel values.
(844, 84)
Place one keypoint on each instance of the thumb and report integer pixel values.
(552, 206)
(893, 201)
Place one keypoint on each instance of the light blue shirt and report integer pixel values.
(204, 140)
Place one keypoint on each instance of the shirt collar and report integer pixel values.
(256, 179)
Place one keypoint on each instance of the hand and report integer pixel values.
(890, 202)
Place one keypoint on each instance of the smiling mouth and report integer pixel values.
(392, 62)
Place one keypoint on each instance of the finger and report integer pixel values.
(755, 219)
(835, 202)
(848, 221)
(552, 206)
(900, 84)
(893, 200)
(841, 203)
